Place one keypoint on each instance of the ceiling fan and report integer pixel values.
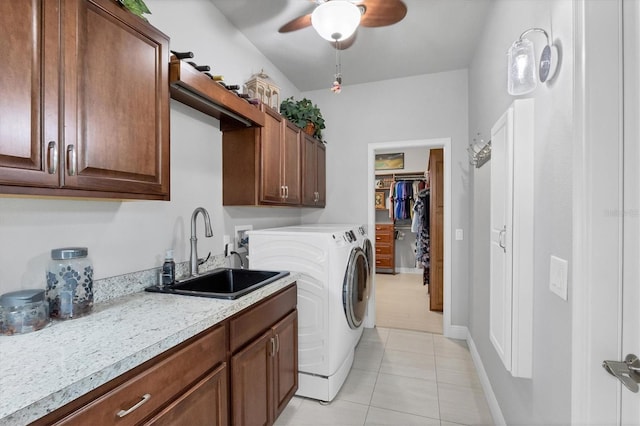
(337, 20)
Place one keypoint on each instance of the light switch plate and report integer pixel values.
(558, 271)
(459, 234)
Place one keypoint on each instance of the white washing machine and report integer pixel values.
(332, 297)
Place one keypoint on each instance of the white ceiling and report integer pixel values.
(435, 36)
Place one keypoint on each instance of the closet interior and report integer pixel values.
(409, 224)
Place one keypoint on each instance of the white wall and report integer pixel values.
(414, 108)
(128, 236)
(546, 398)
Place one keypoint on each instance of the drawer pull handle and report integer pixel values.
(144, 399)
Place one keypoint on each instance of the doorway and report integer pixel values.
(445, 144)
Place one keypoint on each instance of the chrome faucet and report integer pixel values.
(193, 258)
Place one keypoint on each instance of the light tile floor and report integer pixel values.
(401, 377)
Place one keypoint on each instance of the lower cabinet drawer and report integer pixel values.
(142, 395)
(384, 249)
(384, 261)
(247, 326)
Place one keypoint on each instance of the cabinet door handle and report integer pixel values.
(71, 160)
(144, 399)
(286, 191)
(501, 236)
(277, 343)
(52, 157)
(273, 346)
(282, 191)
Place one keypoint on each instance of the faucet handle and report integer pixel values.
(201, 261)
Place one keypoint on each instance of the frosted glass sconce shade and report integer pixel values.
(521, 78)
(522, 68)
(336, 20)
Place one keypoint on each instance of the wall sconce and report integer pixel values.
(522, 64)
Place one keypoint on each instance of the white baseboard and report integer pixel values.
(458, 332)
(492, 401)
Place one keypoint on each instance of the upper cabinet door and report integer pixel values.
(116, 100)
(271, 186)
(313, 172)
(511, 241)
(291, 178)
(321, 174)
(29, 90)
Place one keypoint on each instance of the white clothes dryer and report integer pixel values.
(332, 297)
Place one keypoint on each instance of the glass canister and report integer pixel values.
(70, 283)
(23, 311)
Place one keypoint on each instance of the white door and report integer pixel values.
(630, 404)
(500, 238)
(606, 273)
(511, 239)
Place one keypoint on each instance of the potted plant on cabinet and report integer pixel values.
(304, 114)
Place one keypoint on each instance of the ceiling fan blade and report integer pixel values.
(296, 24)
(346, 43)
(380, 13)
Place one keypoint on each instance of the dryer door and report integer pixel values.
(355, 291)
(368, 253)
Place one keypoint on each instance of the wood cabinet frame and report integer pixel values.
(92, 132)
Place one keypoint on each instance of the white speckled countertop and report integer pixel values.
(44, 370)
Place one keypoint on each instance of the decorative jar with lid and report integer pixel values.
(69, 283)
(23, 311)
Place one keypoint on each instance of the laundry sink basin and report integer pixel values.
(222, 283)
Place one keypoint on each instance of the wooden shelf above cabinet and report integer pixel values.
(193, 88)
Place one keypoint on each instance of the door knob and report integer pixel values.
(627, 371)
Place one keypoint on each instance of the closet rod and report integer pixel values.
(399, 178)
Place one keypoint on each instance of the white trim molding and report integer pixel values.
(492, 401)
(596, 245)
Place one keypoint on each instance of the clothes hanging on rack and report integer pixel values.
(392, 189)
(421, 221)
(404, 200)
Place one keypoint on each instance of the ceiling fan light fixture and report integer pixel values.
(336, 20)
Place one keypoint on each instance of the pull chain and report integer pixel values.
(337, 83)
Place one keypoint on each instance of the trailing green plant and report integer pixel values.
(302, 112)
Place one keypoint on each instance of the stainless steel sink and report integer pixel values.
(222, 283)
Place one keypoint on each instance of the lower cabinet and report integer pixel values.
(385, 248)
(203, 404)
(265, 374)
(252, 357)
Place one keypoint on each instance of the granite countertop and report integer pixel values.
(44, 370)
